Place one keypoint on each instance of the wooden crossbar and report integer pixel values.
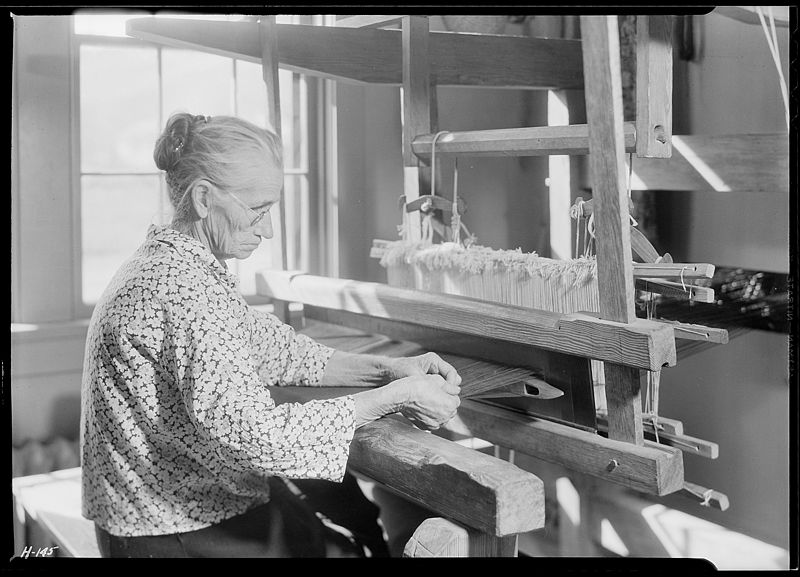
(529, 141)
(641, 343)
(650, 467)
(676, 289)
(368, 20)
(685, 443)
(443, 476)
(374, 56)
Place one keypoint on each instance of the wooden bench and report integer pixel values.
(485, 502)
(47, 514)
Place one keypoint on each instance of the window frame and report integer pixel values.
(316, 155)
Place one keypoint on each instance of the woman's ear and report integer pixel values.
(201, 197)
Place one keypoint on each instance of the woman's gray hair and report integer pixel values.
(222, 150)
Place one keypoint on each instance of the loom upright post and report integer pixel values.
(654, 86)
(601, 65)
(416, 110)
(270, 73)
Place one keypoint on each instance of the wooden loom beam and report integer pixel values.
(601, 64)
(374, 56)
(416, 111)
(571, 139)
(639, 344)
(654, 86)
(648, 467)
(369, 20)
(442, 476)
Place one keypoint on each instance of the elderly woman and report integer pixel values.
(184, 451)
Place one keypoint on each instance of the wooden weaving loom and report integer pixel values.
(531, 372)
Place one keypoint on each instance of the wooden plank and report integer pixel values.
(75, 536)
(676, 290)
(623, 400)
(671, 438)
(640, 343)
(529, 141)
(615, 270)
(604, 115)
(654, 86)
(692, 332)
(416, 111)
(375, 56)
(673, 270)
(719, 163)
(437, 537)
(650, 467)
(443, 476)
(368, 20)
(688, 444)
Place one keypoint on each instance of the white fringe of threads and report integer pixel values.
(505, 276)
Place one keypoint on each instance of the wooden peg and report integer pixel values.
(704, 496)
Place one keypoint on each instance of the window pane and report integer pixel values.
(197, 83)
(251, 103)
(251, 93)
(115, 214)
(118, 108)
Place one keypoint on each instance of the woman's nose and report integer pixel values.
(264, 227)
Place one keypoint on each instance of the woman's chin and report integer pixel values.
(246, 251)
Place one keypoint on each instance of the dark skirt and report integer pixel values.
(287, 526)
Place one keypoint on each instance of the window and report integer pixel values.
(126, 90)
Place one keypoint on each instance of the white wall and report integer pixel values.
(46, 363)
(735, 394)
(507, 204)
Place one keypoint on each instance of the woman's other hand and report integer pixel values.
(425, 364)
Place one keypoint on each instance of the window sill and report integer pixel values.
(25, 332)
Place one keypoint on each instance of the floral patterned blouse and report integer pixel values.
(178, 430)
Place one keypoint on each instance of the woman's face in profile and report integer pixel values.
(231, 229)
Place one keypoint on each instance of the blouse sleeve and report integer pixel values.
(229, 405)
(282, 356)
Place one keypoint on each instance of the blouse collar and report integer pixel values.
(191, 247)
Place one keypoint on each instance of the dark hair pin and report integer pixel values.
(179, 145)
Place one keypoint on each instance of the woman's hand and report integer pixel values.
(426, 400)
(428, 363)
(432, 401)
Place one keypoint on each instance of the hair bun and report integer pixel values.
(173, 141)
